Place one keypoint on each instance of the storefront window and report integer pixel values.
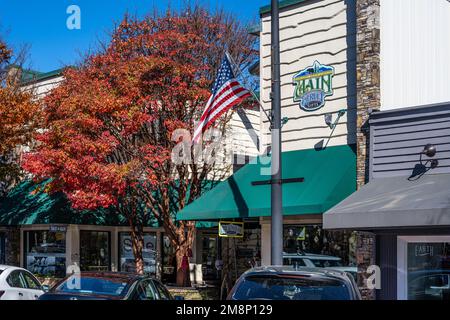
(127, 262)
(168, 261)
(94, 251)
(45, 253)
(428, 271)
(301, 240)
(209, 256)
(2, 249)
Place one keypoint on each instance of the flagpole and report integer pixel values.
(238, 69)
(276, 183)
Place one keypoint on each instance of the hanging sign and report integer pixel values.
(54, 228)
(302, 234)
(229, 229)
(312, 85)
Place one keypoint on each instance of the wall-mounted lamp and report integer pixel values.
(329, 119)
(430, 151)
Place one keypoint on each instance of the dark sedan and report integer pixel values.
(108, 286)
(287, 283)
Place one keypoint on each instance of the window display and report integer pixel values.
(46, 253)
(312, 239)
(95, 251)
(428, 271)
(127, 262)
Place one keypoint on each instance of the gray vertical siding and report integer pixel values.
(398, 137)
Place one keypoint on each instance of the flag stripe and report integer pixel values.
(216, 107)
(226, 93)
(225, 107)
(224, 90)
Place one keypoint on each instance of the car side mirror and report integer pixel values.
(179, 298)
(45, 288)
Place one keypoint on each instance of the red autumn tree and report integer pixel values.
(110, 124)
(18, 115)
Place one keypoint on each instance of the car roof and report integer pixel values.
(118, 276)
(3, 267)
(288, 270)
(310, 256)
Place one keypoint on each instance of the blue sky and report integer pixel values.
(41, 24)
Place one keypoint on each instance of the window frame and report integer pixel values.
(402, 259)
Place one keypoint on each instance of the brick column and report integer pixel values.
(368, 99)
(368, 78)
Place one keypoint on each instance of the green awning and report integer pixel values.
(28, 204)
(329, 177)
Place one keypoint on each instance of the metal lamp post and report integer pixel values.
(276, 183)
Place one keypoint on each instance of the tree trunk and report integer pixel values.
(137, 240)
(183, 274)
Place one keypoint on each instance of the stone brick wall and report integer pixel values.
(365, 257)
(368, 100)
(368, 78)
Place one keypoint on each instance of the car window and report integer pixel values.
(15, 280)
(324, 263)
(31, 282)
(92, 285)
(294, 262)
(144, 291)
(163, 292)
(291, 288)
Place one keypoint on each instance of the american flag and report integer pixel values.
(226, 93)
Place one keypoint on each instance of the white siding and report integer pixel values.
(43, 87)
(415, 52)
(309, 31)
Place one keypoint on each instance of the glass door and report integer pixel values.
(424, 268)
(95, 252)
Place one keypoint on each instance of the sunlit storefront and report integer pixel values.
(41, 233)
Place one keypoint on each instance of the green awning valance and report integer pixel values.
(329, 177)
(28, 204)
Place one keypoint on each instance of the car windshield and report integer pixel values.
(91, 285)
(291, 288)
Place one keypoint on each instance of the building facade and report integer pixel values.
(319, 101)
(403, 145)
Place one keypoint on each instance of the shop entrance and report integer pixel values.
(95, 251)
(210, 244)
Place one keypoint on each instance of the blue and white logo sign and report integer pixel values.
(312, 85)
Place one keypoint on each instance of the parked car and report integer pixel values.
(353, 271)
(300, 260)
(429, 285)
(310, 260)
(287, 283)
(108, 286)
(19, 284)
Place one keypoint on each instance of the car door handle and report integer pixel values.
(20, 294)
(36, 296)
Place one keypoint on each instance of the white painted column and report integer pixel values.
(265, 243)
